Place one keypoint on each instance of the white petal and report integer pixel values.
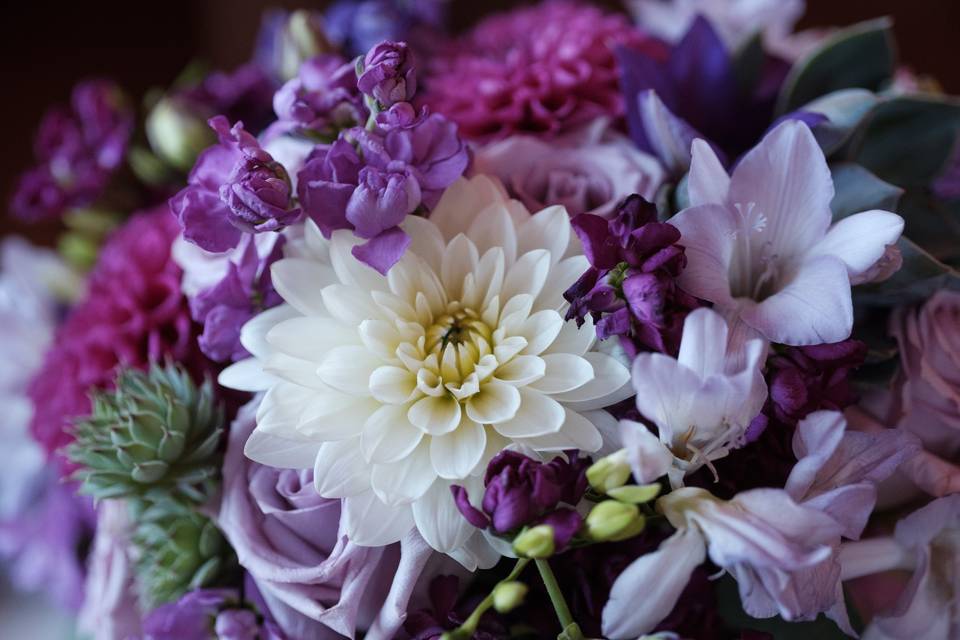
(349, 270)
(426, 241)
(497, 402)
(340, 470)
(562, 276)
(564, 372)
(348, 369)
(459, 260)
(253, 335)
(547, 229)
(703, 345)
(577, 432)
(574, 339)
(462, 201)
(649, 588)
(527, 275)
(393, 385)
(311, 338)
(246, 375)
(381, 338)
(275, 451)
(440, 522)
(371, 523)
(333, 415)
(494, 227)
(388, 436)
(351, 305)
(708, 233)
(538, 415)
(610, 385)
(300, 283)
(435, 415)
(666, 391)
(280, 410)
(708, 182)
(456, 454)
(540, 330)
(300, 372)
(522, 370)
(861, 239)
(406, 480)
(649, 458)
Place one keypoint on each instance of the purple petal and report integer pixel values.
(473, 515)
(384, 251)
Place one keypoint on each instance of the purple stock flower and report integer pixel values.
(388, 76)
(448, 610)
(189, 618)
(630, 289)
(321, 100)
(244, 291)
(235, 187)
(78, 152)
(244, 94)
(522, 491)
(237, 624)
(406, 161)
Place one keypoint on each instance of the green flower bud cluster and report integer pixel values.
(156, 436)
(156, 442)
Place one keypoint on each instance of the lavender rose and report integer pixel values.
(290, 540)
(589, 171)
(929, 339)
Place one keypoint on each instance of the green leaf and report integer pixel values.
(748, 62)
(919, 278)
(933, 224)
(907, 140)
(844, 110)
(862, 56)
(859, 190)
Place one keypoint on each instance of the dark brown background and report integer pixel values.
(45, 46)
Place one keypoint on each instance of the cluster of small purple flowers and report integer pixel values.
(530, 331)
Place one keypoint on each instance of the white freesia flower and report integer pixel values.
(702, 402)
(395, 387)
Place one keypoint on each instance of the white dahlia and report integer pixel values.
(395, 387)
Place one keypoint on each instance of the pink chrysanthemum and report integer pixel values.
(539, 70)
(133, 312)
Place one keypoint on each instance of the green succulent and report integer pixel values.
(178, 549)
(156, 437)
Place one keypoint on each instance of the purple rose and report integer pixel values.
(235, 187)
(387, 74)
(630, 289)
(589, 171)
(290, 541)
(322, 100)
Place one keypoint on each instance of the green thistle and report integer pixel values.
(179, 550)
(157, 436)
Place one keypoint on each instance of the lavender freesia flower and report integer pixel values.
(521, 491)
(244, 291)
(236, 187)
(630, 290)
(78, 150)
(321, 100)
(404, 163)
(761, 246)
(387, 75)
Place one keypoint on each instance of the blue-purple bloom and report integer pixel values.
(244, 94)
(321, 100)
(368, 181)
(244, 291)
(388, 76)
(357, 26)
(630, 289)
(521, 491)
(78, 150)
(236, 187)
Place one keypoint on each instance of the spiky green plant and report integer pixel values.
(179, 549)
(156, 436)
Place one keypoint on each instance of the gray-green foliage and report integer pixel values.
(157, 435)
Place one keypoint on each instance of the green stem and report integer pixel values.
(469, 625)
(556, 596)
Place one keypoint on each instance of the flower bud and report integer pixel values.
(610, 472)
(386, 74)
(635, 494)
(507, 596)
(177, 132)
(612, 521)
(535, 542)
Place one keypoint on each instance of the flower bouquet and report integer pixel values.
(574, 325)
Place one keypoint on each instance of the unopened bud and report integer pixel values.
(535, 542)
(507, 596)
(178, 132)
(610, 472)
(635, 494)
(612, 521)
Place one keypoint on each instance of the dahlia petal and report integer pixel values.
(459, 260)
(610, 384)
(435, 415)
(547, 229)
(540, 330)
(393, 385)
(577, 432)
(388, 435)
(348, 269)
(527, 275)
(426, 241)
(348, 369)
(371, 523)
(521, 370)
(253, 335)
(300, 283)
(246, 375)
(574, 339)
(538, 415)
(439, 521)
(456, 454)
(350, 305)
(340, 471)
(311, 338)
(564, 274)
(497, 402)
(334, 416)
(494, 227)
(276, 451)
(405, 480)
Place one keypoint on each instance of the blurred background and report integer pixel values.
(47, 45)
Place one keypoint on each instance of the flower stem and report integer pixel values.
(556, 596)
(469, 626)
